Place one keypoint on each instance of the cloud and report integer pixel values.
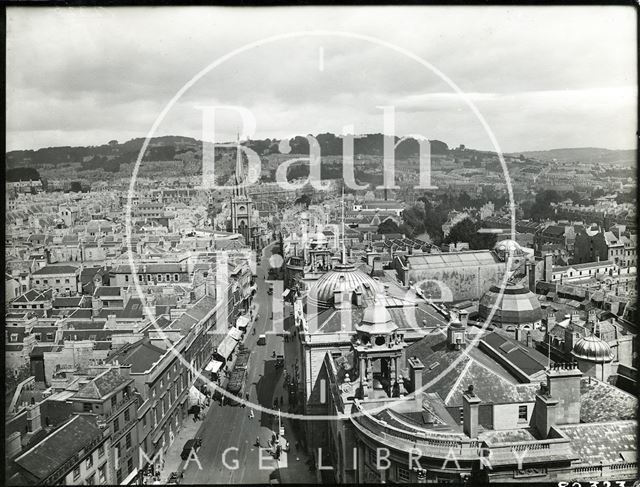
(78, 76)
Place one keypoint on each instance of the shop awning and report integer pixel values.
(235, 334)
(226, 347)
(242, 322)
(213, 366)
(195, 396)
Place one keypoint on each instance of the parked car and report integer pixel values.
(193, 444)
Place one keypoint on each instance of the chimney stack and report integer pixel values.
(548, 267)
(545, 411)
(563, 383)
(470, 408)
(464, 317)
(550, 320)
(415, 375)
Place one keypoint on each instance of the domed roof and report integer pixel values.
(593, 349)
(377, 319)
(506, 245)
(517, 305)
(343, 277)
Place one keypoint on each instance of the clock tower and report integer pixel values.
(242, 207)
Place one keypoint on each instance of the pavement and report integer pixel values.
(229, 454)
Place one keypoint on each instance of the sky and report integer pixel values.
(535, 77)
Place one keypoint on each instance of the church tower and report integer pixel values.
(242, 206)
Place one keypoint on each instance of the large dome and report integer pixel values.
(343, 277)
(593, 349)
(507, 245)
(517, 306)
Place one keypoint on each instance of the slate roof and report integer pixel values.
(34, 295)
(602, 442)
(45, 457)
(55, 269)
(107, 291)
(102, 385)
(603, 402)
(140, 355)
(525, 358)
(70, 302)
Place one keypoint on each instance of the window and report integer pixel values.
(403, 474)
(119, 476)
(86, 407)
(66, 281)
(522, 413)
(167, 278)
(37, 281)
(126, 415)
(175, 277)
(114, 401)
(128, 441)
(57, 281)
(373, 457)
(116, 424)
(89, 462)
(76, 473)
(38, 336)
(14, 337)
(100, 451)
(144, 420)
(126, 278)
(130, 465)
(91, 480)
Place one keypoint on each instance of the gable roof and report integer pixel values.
(45, 457)
(57, 269)
(102, 385)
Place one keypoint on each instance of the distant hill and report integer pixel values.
(583, 154)
(110, 156)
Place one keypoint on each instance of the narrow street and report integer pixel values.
(230, 428)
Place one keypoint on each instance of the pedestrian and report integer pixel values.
(273, 439)
(286, 448)
(257, 441)
(251, 415)
(281, 401)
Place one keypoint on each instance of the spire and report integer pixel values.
(239, 189)
(344, 251)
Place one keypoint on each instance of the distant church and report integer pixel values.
(242, 220)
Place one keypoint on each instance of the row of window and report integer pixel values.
(46, 281)
(159, 277)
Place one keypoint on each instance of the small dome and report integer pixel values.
(377, 319)
(516, 306)
(592, 349)
(376, 314)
